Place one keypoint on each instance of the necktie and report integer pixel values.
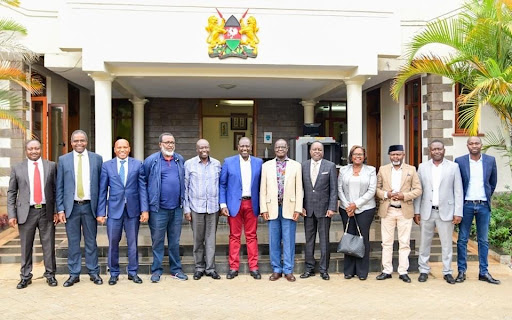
(80, 183)
(121, 172)
(314, 175)
(38, 195)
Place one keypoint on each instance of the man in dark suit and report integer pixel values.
(479, 179)
(31, 205)
(239, 187)
(78, 178)
(122, 179)
(320, 203)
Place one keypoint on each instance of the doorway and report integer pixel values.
(373, 133)
(413, 122)
(49, 127)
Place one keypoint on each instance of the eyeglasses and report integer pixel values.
(358, 154)
(168, 143)
(281, 148)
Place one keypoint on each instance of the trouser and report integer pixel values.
(204, 228)
(396, 219)
(445, 231)
(249, 222)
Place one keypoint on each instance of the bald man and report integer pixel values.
(123, 191)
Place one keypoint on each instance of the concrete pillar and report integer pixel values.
(103, 113)
(354, 111)
(138, 127)
(309, 110)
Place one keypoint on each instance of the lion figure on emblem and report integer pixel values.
(249, 31)
(215, 30)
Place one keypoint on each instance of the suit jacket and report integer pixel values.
(230, 184)
(322, 196)
(292, 194)
(410, 186)
(133, 194)
(451, 200)
(367, 187)
(18, 193)
(490, 174)
(66, 182)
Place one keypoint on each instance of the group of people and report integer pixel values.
(82, 191)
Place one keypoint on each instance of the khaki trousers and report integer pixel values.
(396, 219)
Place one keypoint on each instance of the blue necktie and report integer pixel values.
(121, 172)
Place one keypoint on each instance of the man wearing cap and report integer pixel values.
(398, 185)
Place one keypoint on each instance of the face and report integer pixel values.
(281, 149)
(437, 151)
(79, 142)
(358, 156)
(317, 151)
(122, 149)
(244, 147)
(397, 157)
(167, 145)
(203, 149)
(33, 150)
(474, 145)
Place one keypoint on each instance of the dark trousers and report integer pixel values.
(82, 220)
(352, 265)
(311, 226)
(115, 232)
(37, 219)
(204, 229)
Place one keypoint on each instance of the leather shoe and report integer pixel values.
(325, 276)
(113, 280)
(487, 277)
(290, 277)
(135, 278)
(198, 275)
(460, 277)
(214, 275)
(423, 277)
(71, 281)
(231, 274)
(52, 282)
(362, 278)
(384, 276)
(307, 274)
(274, 276)
(96, 279)
(404, 278)
(23, 283)
(255, 274)
(449, 278)
(348, 276)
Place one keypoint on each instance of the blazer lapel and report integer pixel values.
(113, 167)
(46, 169)
(24, 171)
(405, 172)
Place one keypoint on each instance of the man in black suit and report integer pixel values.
(31, 205)
(320, 203)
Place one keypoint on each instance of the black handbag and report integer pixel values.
(351, 244)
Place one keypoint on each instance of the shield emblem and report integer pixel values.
(232, 36)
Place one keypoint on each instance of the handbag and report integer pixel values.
(350, 244)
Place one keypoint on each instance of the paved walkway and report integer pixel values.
(246, 298)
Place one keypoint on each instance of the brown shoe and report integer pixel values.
(274, 276)
(290, 277)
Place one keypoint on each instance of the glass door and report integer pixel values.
(39, 111)
(58, 131)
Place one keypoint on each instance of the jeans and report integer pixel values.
(282, 229)
(482, 214)
(159, 223)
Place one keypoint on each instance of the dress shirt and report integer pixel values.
(281, 171)
(86, 175)
(318, 163)
(31, 169)
(476, 190)
(396, 182)
(125, 168)
(202, 186)
(246, 174)
(436, 181)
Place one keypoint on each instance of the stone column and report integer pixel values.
(103, 113)
(138, 127)
(309, 110)
(354, 111)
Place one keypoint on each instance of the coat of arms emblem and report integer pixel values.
(232, 37)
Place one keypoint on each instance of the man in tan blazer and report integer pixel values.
(398, 185)
(281, 199)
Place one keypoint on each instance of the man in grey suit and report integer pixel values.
(31, 205)
(78, 178)
(320, 203)
(439, 206)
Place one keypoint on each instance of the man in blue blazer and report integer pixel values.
(479, 179)
(239, 187)
(78, 178)
(122, 181)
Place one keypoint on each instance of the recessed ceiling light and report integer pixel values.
(226, 86)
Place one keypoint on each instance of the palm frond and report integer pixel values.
(10, 25)
(13, 119)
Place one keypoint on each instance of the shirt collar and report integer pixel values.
(432, 162)
(199, 159)
(75, 154)
(479, 160)
(39, 161)
(313, 161)
(119, 160)
(285, 159)
(242, 159)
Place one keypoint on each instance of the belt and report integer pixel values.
(38, 206)
(246, 198)
(82, 202)
(398, 206)
(435, 208)
(475, 201)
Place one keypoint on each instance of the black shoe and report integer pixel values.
(460, 277)
(325, 275)
(307, 274)
(231, 274)
(423, 277)
(52, 282)
(348, 276)
(135, 278)
(449, 278)
(255, 274)
(384, 276)
(214, 275)
(487, 277)
(113, 280)
(23, 283)
(71, 281)
(198, 275)
(96, 279)
(362, 278)
(404, 278)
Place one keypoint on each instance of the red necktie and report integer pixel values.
(38, 195)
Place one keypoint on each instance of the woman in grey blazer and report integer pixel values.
(357, 183)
